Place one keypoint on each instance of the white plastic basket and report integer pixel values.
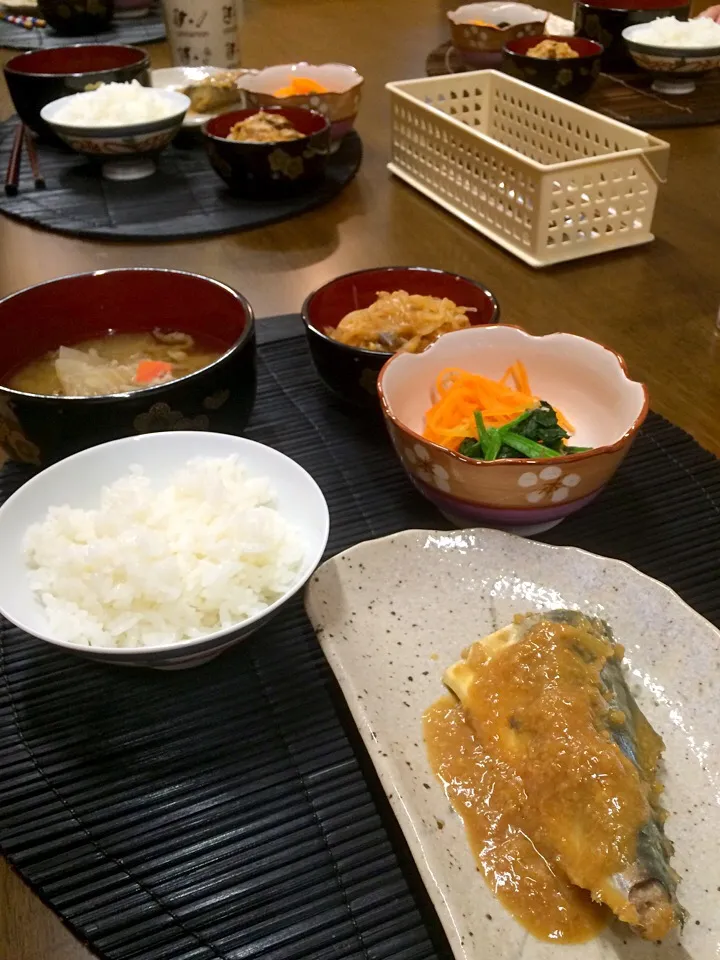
(545, 178)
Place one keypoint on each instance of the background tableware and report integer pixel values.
(77, 17)
(675, 69)
(261, 171)
(481, 46)
(605, 20)
(351, 373)
(178, 78)
(340, 105)
(127, 152)
(40, 429)
(391, 614)
(77, 481)
(571, 77)
(587, 382)
(203, 31)
(38, 77)
(131, 9)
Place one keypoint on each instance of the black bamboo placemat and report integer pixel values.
(229, 812)
(149, 29)
(184, 199)
(627, 98)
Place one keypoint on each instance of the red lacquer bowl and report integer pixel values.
(40, 429)
(351, 373)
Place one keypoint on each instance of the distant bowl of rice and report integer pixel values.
(675, 51)
(125, 125)
(356, 322)
(159, 551)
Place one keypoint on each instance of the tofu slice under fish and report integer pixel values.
(645, 892)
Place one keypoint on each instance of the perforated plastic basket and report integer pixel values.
(546, 179)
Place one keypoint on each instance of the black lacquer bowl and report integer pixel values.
(77, 18)
(38, 77)
(569, 77)
(351, 373)
(266, 171)
(41, 429)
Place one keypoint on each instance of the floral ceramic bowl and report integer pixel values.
(39, 429)
(586, 381)
(266, 171)
(127, 152)
(674, 69)
(340, 104)
(481, 30)
(351, 373)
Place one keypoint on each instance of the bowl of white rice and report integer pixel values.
(125, 125)
(162, 550)
(675, 51)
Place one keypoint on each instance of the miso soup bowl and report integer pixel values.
(587, 382)
(39, 429)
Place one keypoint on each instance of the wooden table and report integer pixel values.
(657, 305)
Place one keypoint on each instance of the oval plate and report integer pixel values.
(177, 78)
(391, 614)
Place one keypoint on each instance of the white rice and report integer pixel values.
(115, 105)
(671, 32)
(155, 565)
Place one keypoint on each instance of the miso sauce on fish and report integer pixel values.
(553, 768)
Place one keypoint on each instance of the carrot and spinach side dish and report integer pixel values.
(493, 420)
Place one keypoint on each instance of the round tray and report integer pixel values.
(184, 199)
(627, 98)
(150, 29)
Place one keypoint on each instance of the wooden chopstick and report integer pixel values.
(13, 169)
(33, 157)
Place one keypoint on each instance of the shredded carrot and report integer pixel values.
(300, 87)
(149, 370)
(461, 394)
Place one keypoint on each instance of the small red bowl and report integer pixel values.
(570, 77)
(262, 171)
(38, 77)
(40, 429)
(351, 372)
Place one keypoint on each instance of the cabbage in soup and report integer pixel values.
(114, 363)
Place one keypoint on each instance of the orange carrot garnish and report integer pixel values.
(149, 370)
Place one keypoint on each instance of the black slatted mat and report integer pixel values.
(183, 199)
(149, 29)
(230, 811)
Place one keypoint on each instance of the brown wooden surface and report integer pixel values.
(657, 305)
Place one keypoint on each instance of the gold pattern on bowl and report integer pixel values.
(161, 417)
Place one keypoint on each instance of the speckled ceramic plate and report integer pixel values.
(391, 614)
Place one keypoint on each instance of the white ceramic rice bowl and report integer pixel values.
(78, 480)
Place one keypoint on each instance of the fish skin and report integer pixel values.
(650, 884)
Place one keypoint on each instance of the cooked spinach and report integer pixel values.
(534, 434)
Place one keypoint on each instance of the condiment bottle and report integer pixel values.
(203, 32)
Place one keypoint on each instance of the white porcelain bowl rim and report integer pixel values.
(493, 330)
(511, 12)
(81, 460)
(667, 50)
(255, 82)
(179, 100)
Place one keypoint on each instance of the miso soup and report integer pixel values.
(114, 363)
